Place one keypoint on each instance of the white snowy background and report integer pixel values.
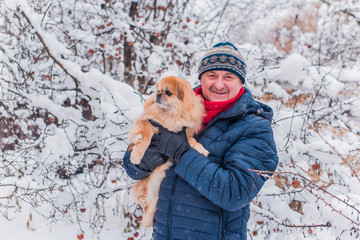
(74, 74)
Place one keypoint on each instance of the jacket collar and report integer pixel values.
(246, 104)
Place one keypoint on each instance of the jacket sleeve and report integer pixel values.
(152, 159)
(231, 185)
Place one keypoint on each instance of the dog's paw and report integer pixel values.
(203, 151)
(148, 220)
(136, 156)
(198, 147)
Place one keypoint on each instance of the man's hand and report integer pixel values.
(171, 144)
(152, 158)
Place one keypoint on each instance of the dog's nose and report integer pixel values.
(158, 97)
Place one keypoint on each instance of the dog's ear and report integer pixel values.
(186, 95)
(179, 90)
(183, 89)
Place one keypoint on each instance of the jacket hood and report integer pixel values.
(252, 106)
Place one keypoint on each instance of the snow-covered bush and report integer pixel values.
(73, 75)
(66, 104)
(309, 74)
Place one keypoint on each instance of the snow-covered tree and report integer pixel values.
(73, 76)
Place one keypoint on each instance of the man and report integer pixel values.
(208, 197)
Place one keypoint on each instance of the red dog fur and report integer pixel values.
(174, 106)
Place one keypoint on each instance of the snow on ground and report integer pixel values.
(303, 152)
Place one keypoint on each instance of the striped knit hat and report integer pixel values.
(223, 56)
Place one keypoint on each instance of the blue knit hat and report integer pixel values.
(223, 56)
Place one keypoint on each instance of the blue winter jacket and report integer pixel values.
(208, 198)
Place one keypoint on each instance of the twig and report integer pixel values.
(278, 221)
(112, 97)
(333, 148)
(217, 26)
(47, 9)
(293, 163)
(313, 185)
(346, 11)
(317, 110)
(76, 81)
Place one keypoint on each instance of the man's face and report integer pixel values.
(220, 85)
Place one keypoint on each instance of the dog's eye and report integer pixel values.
(167, 92)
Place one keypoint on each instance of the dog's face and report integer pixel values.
(175, 105)
(170, 92)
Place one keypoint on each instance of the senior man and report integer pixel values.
(208, 197)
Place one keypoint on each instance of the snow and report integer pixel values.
(351, 75)
(322, 128)
(332, 87)
(277, 90)
(293, 69)
(42, 230)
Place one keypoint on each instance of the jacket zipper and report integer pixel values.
(170, 207)
(221, 233)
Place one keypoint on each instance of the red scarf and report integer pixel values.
(214, 108)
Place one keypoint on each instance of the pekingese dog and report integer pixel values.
(174, 106)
